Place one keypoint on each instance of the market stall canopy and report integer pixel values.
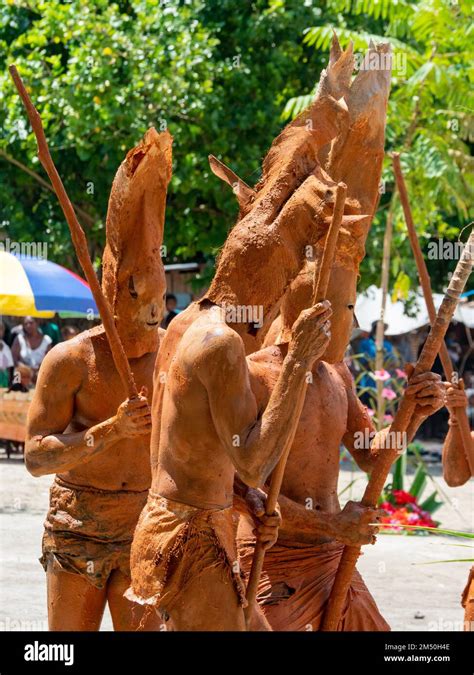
(37, 287)
(368, 306)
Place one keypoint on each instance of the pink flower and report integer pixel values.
(401, 373)
(388, 393)
(388, 419)
(370, 412)
(381, 375)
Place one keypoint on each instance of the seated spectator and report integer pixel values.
(30, 346)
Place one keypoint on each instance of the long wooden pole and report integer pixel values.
(398, 430)
(320, 289)
(460, 414)
(78, 239)
(380, 332)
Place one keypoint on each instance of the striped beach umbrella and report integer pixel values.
(36, 287)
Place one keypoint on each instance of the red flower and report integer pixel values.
(402, 497)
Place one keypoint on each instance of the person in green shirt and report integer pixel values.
(50, 328)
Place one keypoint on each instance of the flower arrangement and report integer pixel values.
(405, 511)
(402, 507)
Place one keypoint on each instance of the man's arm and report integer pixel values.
(456, 469)
(361, 440)
(361, 434)
(48, 449)
(255, 444)
(427, 391)
(351, 526)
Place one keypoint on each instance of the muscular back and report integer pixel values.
(193, 460)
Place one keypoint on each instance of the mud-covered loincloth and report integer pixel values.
(89, 531)
(175, 543)
(296, 583)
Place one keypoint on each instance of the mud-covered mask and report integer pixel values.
(133, 277)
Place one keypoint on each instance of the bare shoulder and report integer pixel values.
(212, 345)
(266, 355)
(70, 359)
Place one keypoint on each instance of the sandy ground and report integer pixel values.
(410, 595)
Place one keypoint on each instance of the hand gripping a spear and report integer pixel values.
(321, 282)
(460, 414)
(398, 431)
(79, 240)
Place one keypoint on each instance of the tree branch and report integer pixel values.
(84, 215)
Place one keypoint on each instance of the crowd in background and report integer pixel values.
(23, 347)
(25, 342)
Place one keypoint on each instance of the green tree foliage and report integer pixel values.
(216, 73)
(430, 119)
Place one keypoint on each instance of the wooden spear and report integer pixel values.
(398, 430)
(319, 294)
(460, 414)
(78, 238)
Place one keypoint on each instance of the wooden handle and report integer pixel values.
(324, 273)
(460, 414)
(78, 239)
(342, 581)
(320, 290)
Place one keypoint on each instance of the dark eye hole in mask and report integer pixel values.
(351, 307)
(131, 289)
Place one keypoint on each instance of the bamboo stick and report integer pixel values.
(78, 239)
(321, 285)
(460, 414)
(398, 430)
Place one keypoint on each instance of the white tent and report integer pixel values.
(369, 303)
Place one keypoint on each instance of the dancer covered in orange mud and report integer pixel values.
(207, 423)
(300, 569)
(456, 472)
(81, 429)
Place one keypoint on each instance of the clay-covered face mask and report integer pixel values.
(139, 303)
(133, 275)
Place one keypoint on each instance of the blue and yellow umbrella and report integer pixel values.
(35, 287)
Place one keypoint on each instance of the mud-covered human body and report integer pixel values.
(299, 570)
(82, 427)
